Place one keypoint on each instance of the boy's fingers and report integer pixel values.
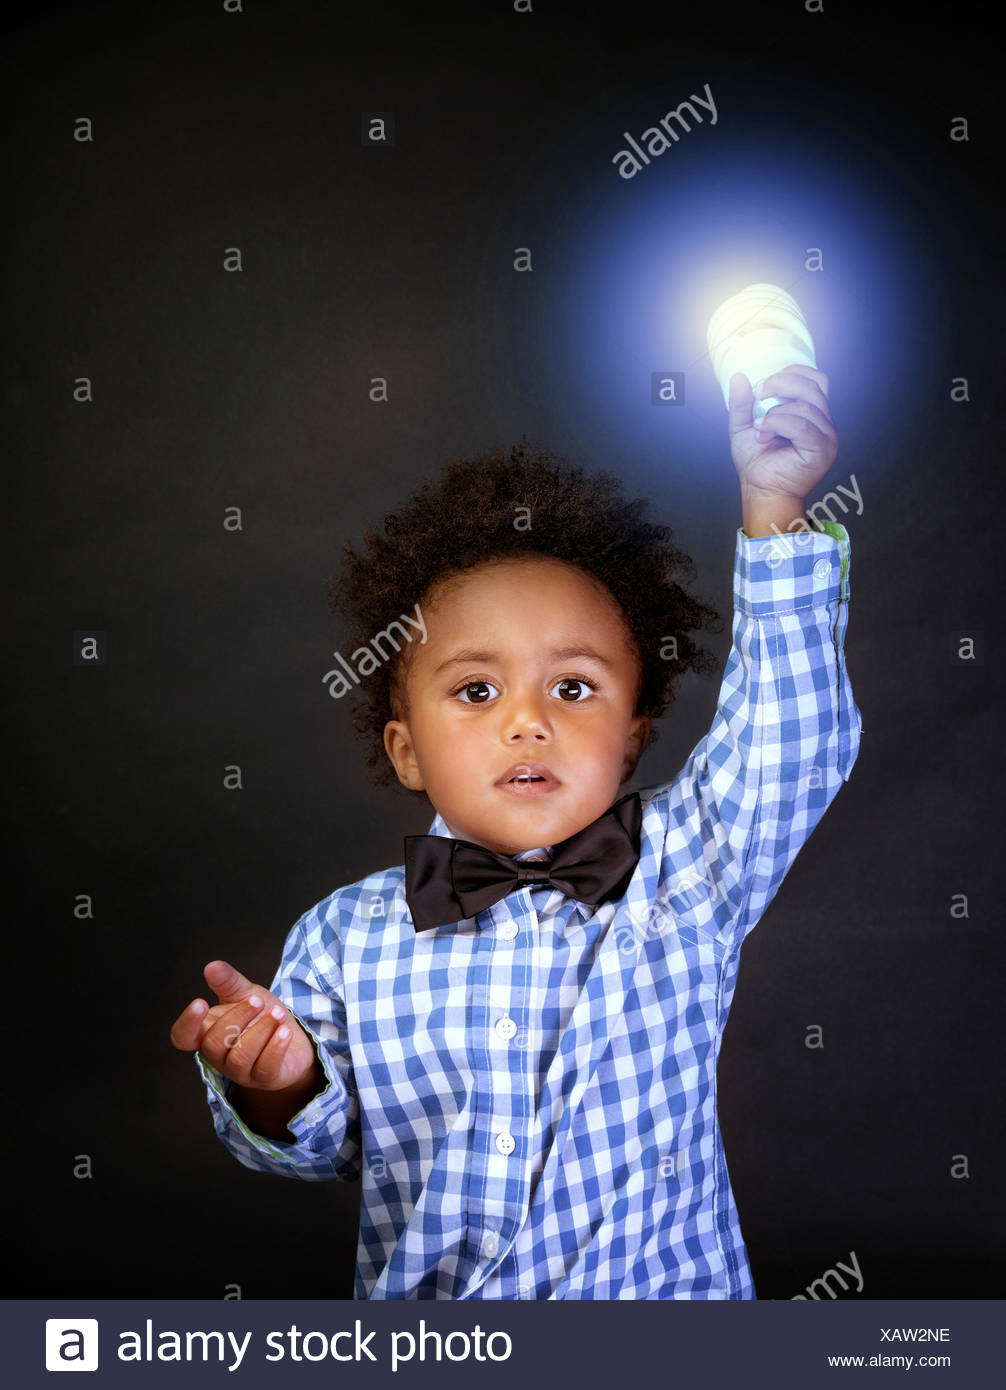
(243, 1045)
(227, 983)
(258, 1058)
(792, 410)
(741, 404)
(796, 429)
(223, 1032)
(740, 388)
(207, 1019)
(813, 373)
(799, 384)
(188, 1025)
(820, 377)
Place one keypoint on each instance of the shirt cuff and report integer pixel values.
(306, 1120)
(791, 570)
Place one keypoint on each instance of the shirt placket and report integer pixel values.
(498, 1181)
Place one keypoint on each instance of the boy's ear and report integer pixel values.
(398, 746)
(635, 744)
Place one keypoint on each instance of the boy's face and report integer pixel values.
(486, 691)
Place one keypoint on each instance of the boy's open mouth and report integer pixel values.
(528, 779)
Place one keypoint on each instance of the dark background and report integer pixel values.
(212, 390)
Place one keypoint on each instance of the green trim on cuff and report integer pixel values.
(838, 533)
(257, 1141)
(216, 1080)
(321, 1063)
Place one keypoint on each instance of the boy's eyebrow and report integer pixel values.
(558, 654)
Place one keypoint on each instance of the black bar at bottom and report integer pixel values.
(626, 1346)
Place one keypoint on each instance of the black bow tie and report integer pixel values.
(448, 880)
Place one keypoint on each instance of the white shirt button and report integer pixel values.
(505, 1028)
(507, 930)
(505, 1143)
(490, 1243)
(822, 569)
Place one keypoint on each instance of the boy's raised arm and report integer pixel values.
(786, 729)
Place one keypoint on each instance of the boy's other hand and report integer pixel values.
(242, 1038)
(795, 445)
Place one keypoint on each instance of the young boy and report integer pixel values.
(522, 1068)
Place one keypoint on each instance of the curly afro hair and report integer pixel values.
(471, 514)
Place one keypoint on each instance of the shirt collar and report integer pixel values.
(439, 827)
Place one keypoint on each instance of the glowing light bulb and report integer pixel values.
(758, 331)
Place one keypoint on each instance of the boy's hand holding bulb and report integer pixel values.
(781, 460)
(782, 436)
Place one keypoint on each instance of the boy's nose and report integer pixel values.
(527, 717)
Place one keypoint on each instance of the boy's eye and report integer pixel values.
(579, 687)
(575, 690)
(478, 686)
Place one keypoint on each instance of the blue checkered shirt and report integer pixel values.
(529, 1096)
